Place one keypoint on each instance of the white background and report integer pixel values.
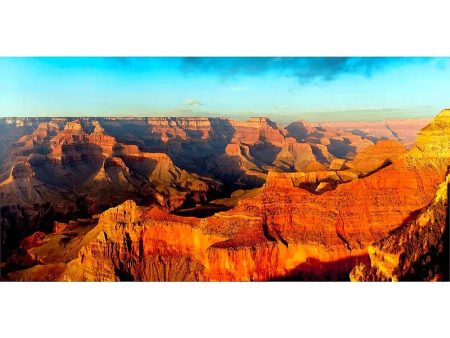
(224, 28)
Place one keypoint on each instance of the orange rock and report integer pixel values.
(59, 227)
(418, 248)
(32, 240)
(280, 232)
(376, 156)
(287, 229)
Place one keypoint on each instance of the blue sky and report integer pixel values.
(281, 88)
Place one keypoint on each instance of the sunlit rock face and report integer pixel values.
(420, 246)
(242, 152)
(328, 200)
(416, 250)
(133, 243)
(93, 165)
(284, 231)
(60, 171)
(433, 141)
(376, 156)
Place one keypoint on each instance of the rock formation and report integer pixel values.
(402, 130)
(375, 157)
(329, 198)
(416, 250)
(61, 171)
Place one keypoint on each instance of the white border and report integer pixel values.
(225, 28)
(224, 309)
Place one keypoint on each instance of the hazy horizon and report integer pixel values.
(312, 118)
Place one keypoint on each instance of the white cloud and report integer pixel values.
(193, 103)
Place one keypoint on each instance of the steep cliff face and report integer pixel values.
(43, 132)
(18, 139)
(273, 236)
(375, 157)
(94, 166)
(256, 129)
(332, 142)
(418, 250)
(346, 193)
(433, 142)
(135, 243)
(299, 157)
(284, 230)
(241, 153)
(302, 131)
(61, 171)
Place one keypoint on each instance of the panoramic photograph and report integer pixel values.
(224, 169)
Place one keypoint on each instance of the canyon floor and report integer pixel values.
(215, 199)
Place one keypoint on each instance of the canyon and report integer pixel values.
(215, 199)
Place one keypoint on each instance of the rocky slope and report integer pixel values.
(416, 250)
(61, 171)
(375, 157)
(419, 248)
(327, 196)
(95, 164)
(241, 153)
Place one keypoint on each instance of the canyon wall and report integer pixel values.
(325, 197)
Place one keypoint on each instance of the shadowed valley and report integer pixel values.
(215, 199)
